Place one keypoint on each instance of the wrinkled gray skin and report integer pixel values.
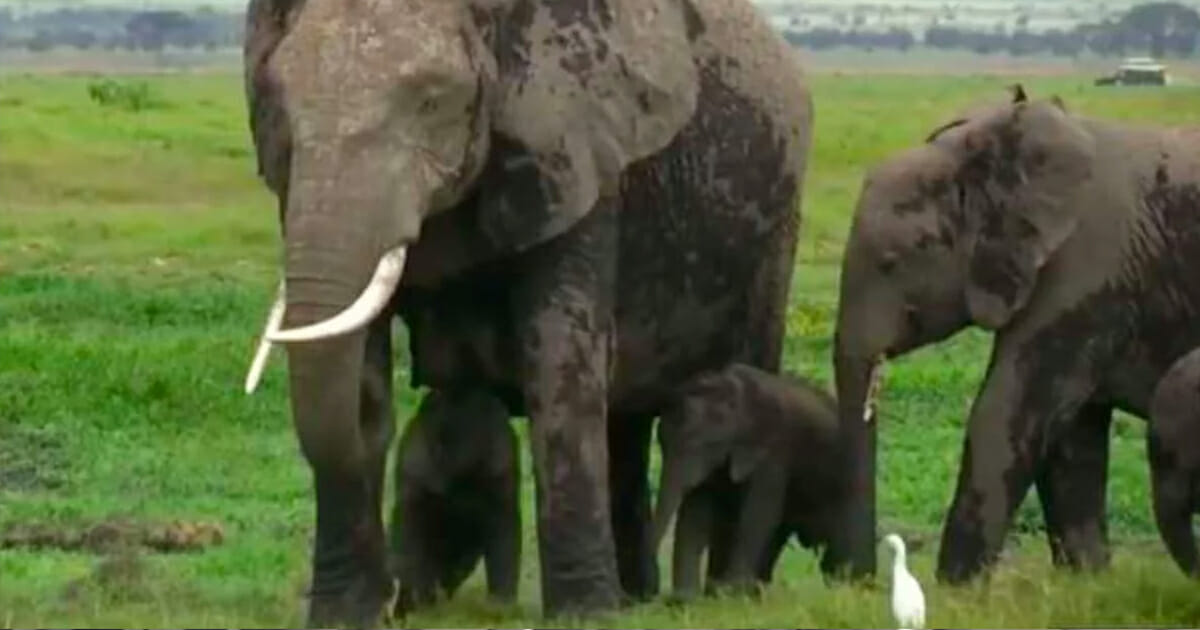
(1173, 445)
(1076, 242)
(457, 499)
(749, 461)
(632, 167)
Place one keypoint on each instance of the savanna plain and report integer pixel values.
(138, 256)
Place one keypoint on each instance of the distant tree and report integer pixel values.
(41, 41)
(1107, 38)
(1065, 43)
(1022, 42)
(901, 38)
(1167, 26)
(154, 30)
(79, 38)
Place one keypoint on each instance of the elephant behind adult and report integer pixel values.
(1173, 448)
(632, 167)
(1076, 242)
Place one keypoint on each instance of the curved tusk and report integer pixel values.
(370, 303)
(274, 320)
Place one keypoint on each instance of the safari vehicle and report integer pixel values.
(1137, 71)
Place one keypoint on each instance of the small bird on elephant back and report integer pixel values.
(633, 169)
(1075, 241)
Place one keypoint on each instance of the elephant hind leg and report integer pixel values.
(1071, 484)
(629, 489)
(462, 554)
(1013, 420)
(770, 556)
(723, 533)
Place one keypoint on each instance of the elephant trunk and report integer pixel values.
(868, 330)
(852, 546)
(670, 496)
(345, 237)
(1173, 515)
(331, 266)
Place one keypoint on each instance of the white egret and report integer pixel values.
(908, 602)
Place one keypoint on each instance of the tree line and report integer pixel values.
(1159, 28)
(121, 28)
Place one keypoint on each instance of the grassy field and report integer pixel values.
(137, 258)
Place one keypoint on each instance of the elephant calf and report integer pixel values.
(1173, 444)
(749, 460)
(457, 487)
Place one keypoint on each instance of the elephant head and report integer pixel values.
(707, 427)
(371, 117)
(945, 235)
(1174, 455)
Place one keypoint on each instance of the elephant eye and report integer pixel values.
(962, 194)
(912, 318)
(887, 262)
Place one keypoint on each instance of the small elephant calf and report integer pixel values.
(749, 460)
(457, 489)
(1173, 446)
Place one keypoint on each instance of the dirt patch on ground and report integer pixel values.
(110, 535)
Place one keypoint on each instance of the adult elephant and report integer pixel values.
(630, 170)
(1076, 241)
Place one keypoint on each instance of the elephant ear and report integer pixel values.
(267, 21)
(746, 458)
(699, 429)
(1021, 169)
(757, 412)
(582, 89)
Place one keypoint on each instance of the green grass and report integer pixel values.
(138, 255)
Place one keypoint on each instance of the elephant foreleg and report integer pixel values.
(629, 489)
(725, 505)
(758, 521)
(1009, 424)
(1072, 484)
(503, 552)
(564, 310)
(420, 554)
(766, 566)
(693, 530)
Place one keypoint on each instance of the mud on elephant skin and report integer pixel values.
(749, 462)
(1173, 446)
(457, 499)
(635, 166)
(1073, 240)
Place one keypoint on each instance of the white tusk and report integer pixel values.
(370, 303)
(274, 319)
(875, 382)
